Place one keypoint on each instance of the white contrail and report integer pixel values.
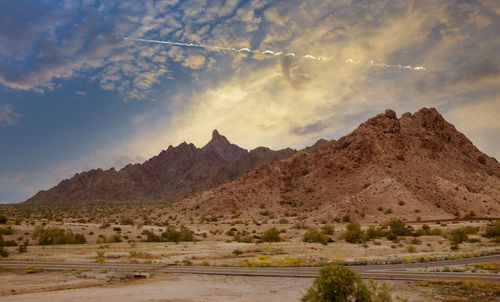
(277, 54)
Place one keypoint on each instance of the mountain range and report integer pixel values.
(168, 176)
(415, 166)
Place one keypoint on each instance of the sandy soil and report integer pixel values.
(196, 288)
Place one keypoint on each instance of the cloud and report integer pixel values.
(352, 59)
(11, 178)
(194, 61)
(8, 116)
(288, 101)
(81, 93)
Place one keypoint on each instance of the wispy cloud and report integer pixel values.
(8, 116)
(11, 178)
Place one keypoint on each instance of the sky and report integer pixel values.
(97, 84)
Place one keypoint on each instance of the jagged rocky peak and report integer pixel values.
(221, 150)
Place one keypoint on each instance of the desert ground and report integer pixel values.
(115, 238)
(109, 286)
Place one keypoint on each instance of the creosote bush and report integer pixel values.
(271, 235)
(493, 231)
(53, 235)
(341, 284)
(171, 234)
(353, 233)
(313, 235)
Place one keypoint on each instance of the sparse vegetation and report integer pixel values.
(353, 233)
(271, 235)
(171, 234)
(339, 283)
(493, 231)
(53, 235)
(314, 235)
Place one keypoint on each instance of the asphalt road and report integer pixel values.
(384, 272)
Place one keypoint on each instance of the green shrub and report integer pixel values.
(23, 248)
(313, 235)
(267, 213)
(283, 221)
(426, 230)
(151, 236)
(237, 253)
(171, 234)
(115, 238)
(493, 231)
(458, 236)
(399, 228)
(244, 239)
(49, 236)
(328, 229)
(341, 284)
(271, 235)
(353, 233)
(373, 233)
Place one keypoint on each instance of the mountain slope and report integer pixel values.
(415, 166)
(170, 175)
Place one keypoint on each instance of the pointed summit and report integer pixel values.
(221, 150)
(215, 134)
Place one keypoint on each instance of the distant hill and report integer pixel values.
(417, 166)
(168, 176)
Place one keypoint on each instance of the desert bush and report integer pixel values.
(426, 230)
(244, 239)
(267, 213)
(346, 218)
(283, 221)
(493, 231)
(171, 234)
(23, 247)
(341, 284)
(399, 228)
(313, 235)
(328, 229)
(373, 233)
(3, 219)
(237, 253)
(49, 236)
(115, 238)
(458, 236)
(3, 252)
(353, 233)
(151, 236)
(271, 235)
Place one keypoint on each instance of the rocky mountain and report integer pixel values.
(416, 167)
(170, 175)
